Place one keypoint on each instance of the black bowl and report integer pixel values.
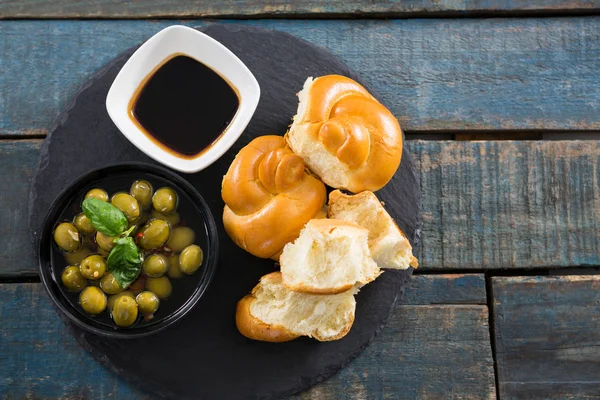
(118, 177)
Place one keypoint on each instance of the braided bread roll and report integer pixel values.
(345, 136)
(269, 197)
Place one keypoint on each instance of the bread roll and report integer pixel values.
(345, 135)
(389, 246)
(269, 197)
(272, 313)
(329, 256)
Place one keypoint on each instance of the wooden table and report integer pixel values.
(502, 116)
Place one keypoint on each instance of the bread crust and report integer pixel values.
(354, 134)
(269, 197)
(253, 328)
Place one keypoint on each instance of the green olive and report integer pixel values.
(109, 284)
(142, 191)
(125, 311)
(106, 243)
(128, 204)
(181, 238)
(174, 271)
(92, 300)
(93, 267)
(148, 303)
(114, 297)
(172, 219)
(156, 265)
(160, 286)
(72, 279)
(78, 256)
(165, 200)
(97, 193)
(154, 234)
(190, 259)
(83, 224)
(138, 285)
(67, 237)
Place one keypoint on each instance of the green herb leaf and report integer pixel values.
(105, 217)
(125, 261)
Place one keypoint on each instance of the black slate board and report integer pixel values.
(203, 355)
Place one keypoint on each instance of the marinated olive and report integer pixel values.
(181, 238)
(142, 191)
(72, 279)
(156, 265)
(125, 311)
(114, 297)
(128, 204)
(154, 234)
(172, 219)
(138, 285)
(93, 267)
(92, 300)
(174, 271)
(190, 259)
(148, 303)
(109, 284)
(160, 286)
(67, 237)
(83, 224)
(78, 256)
(165, 200)
(106, 243)
(97, 193)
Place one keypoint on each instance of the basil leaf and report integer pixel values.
(125, 261)
(105, 217)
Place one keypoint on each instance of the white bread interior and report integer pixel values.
(278, 314)
(389, 246)
(329, 256)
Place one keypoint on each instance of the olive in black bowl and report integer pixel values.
(82, 267)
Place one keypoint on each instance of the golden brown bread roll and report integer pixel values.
(345, 136)
(269, 197)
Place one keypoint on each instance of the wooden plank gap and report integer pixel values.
(489, 291)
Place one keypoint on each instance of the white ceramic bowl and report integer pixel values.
(179, 39)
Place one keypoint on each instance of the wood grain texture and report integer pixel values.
(280, 8)
(506, 204)
(486, 205)
(445, 289)
(424, 352)
(434, 74)
(17, 163)
(547, 336)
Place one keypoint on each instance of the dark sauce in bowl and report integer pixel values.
(184, 106)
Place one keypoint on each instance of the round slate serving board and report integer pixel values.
(203, 355)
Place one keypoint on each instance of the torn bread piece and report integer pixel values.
(330, 256)
(273, 313)
(389, 246)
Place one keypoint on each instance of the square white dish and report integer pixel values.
(172, 41)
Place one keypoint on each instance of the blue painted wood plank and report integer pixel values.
(445, 289)
(486, 205)
(434, 74)
(509, 204)
(281, 8)
(423, 352)
(547, 336)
